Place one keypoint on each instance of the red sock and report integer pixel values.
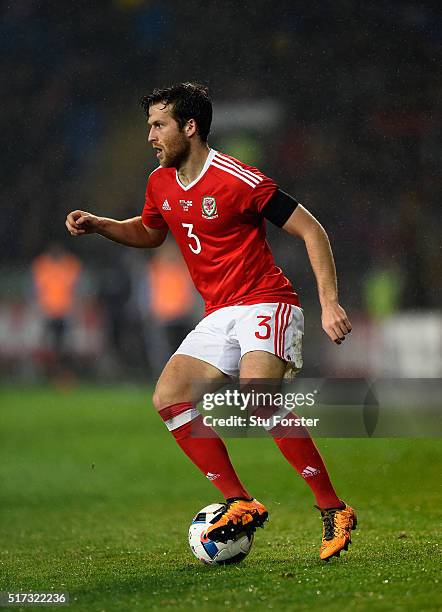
(207, 451)
(303, 455)
(297, 446)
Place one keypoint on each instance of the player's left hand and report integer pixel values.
(335, 322)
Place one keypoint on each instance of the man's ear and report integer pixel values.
(190, 128)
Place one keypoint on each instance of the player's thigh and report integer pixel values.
(176, 383)
(270, 336)
(261, 364)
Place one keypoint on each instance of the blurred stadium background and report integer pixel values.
(339, 101)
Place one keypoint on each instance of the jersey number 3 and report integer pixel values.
(196, 246)
(265, 333)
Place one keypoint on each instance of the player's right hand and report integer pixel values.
(80, 222)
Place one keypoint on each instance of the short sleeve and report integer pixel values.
(151, 216)
(261, 194)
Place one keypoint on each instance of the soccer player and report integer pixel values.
(216, 207)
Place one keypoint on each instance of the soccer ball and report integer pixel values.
(219, 553)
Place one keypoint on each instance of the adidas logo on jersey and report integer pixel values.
(212, 476)
(166, 205)
(309, 471)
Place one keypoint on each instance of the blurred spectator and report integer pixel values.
(56, 274)
(382, 290)
(114, 292)
(171, 298)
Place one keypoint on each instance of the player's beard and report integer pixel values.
(176, 154)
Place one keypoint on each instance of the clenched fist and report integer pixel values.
(335, 322)
(81, 222)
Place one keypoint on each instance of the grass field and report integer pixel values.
(96, 499)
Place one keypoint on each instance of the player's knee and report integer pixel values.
(157, 401)
(162, 398)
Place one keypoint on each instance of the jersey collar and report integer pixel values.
(207, 163)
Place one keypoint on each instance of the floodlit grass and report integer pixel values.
(96, 499)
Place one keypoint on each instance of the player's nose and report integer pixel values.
(151, 136)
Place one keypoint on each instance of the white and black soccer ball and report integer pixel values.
(220, 553)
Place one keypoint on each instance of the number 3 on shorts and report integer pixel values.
(197, 248)
(265, 333)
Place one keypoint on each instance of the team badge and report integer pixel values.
(209, 209)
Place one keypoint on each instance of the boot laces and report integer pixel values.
(330, 527)
(230, 512)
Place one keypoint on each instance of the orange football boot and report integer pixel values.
(239, 516)
(336, 531)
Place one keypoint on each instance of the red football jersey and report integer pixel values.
(217, 223)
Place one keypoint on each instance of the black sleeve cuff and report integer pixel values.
(279, 208)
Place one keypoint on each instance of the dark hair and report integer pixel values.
(188, 101)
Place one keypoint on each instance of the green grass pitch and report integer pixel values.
(96, 499)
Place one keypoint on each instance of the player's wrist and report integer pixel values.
(101, 225)
(328, 301)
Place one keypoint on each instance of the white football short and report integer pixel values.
(224, 336)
